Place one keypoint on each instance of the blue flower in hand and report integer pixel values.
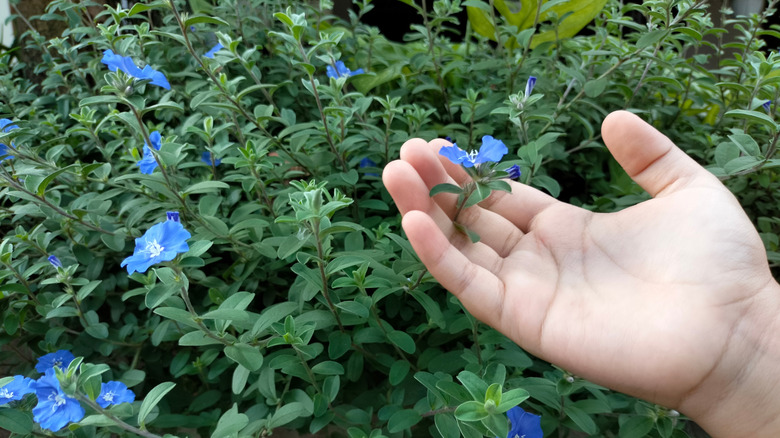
(5, 150)
(524, 424)
(213, 50)
(61, 359)
(341, 71)
(492, 150)
(54, 409)
(125, 63)
(161, 243)
(114, 393)
(16, 389)
(147, 163)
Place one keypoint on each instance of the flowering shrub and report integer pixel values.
(279, 293)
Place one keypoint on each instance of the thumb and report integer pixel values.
(648, 156)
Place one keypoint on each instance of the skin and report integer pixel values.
(670, 300)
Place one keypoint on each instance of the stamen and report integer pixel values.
(154, 249)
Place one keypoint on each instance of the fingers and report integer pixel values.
(648, 156)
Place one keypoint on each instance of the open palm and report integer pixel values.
(649, 300)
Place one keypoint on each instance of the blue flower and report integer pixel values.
(206, 158)
(492, 150)
(529, 86)
(161, 243)
(341, 71)
(114, 393)
(514, 172)
(172, 216)
(767, 105)
(55, 261)
(126, 64)
(524, 424)
(16, 389)
(5, 150)
(60, 358)
(368, 162)
(147, 163)
(448, 138)
(54, 409)
(215, 49)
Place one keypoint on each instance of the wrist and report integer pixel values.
(741, 395)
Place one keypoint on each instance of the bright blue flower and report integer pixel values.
(492, 150)
(524, 424)
(368, 162)
(126, 64)
(529, 86)
(5, 150)
(55, 261)
(60, 358)
(114, 393)
(206, 158)
(514, 172)
(767, 105)
(172, 216)
(147, 163)
(16, 389)
(341, 71)
(54, 409)
(161, 243)
(215, 49)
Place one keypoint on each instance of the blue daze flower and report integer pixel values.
(368, 162)
(206, 158)
(147, 163)
(172, 216)
(767, 105)
(514, 172)
(524, 424)
(5, 150)
(492, 150)
(60, 358)
(55, 261)
(16, 389)
(341, 71)
(126, 64)
(161, 243)
(114, 393)
(529, 86)
(215, 49)
(54, 409)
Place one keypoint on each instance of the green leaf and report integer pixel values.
(205, 187)
(447, 425)
(245, 355)
(402, 340)
(230, 423)
(511, 399)
(746, 144)
(445, 188)
(43, 184)
(328, 368)
(141, 7)
(152, 398)
(496, 424)
(471, 411)
(331, 386)
(636, 427)
(354, 308)
(16, 421)
(581, 419)
(754, 116)
(595, 87)
(286, 414)
(240, 377)
(403, 420)
(398, 371)
(474, 385)
(198, 19)
(338, 344)
(494, 393)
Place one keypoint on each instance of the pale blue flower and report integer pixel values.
(206, 158)
(341, 71)
(492, 150)
(114, 393)
(60, 358)
(161, 243)
(16, 389)
(529, 86)
(54, 409)
(524, 424)
(5, 150)
(213, 50)
(126, 64)
(55, 261)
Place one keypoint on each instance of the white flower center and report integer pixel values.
(154, 249)
(4, 393)
(109, 397)
(473, 156)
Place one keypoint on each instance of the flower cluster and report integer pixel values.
(341, 71)
(125, 63)
(55, 409)
(5, 150)
(161, 243)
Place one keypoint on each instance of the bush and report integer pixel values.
(279, 291)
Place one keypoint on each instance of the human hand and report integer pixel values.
(670, 300)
